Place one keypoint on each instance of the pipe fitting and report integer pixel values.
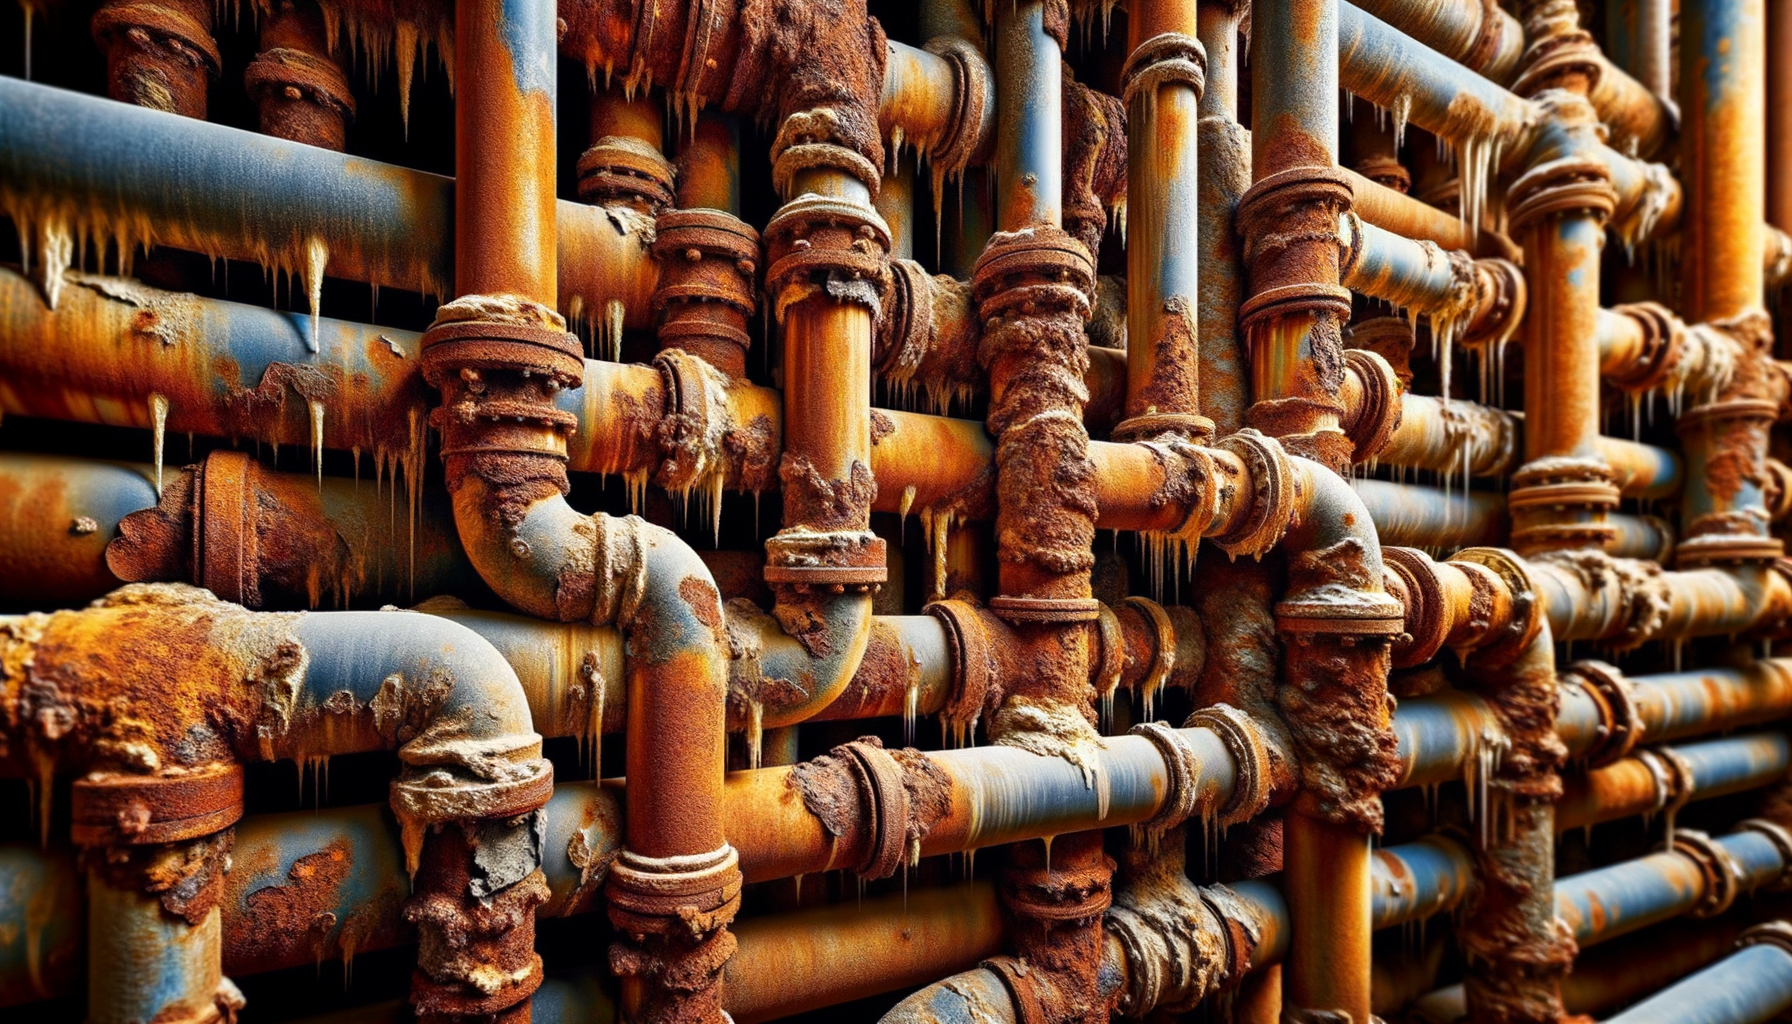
(1371, 420)
(1560, 503)
(159, 53)
(1722, 875)
(1621, 726)
(622, 170)
(707, 291)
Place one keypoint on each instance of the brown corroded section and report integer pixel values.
(767, 58)
(1094, 161)
(298, 80)
(159, 53)
(473, 905)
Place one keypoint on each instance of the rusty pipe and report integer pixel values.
(242, 196)
(1487, 40)
(1751, 985)
(1165, 74)
(1647, 784)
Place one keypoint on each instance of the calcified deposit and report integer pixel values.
(934, 513)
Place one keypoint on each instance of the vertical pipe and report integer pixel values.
(1779, 113)
(1293, 321)
(1224, 175)
(504, 162)
(709, 165)
(1163, 81)
(145, 963)
(1561, 347)
(896, 205)
(1723, 64)
(1029, 162)
(1723, 76)
(1325, 874)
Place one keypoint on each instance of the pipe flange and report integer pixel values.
(695, 422)
(824, 242)
(118, 809)
(707, 256)
(451, 347)
(1240, 923)
(1163, 636)
(1563, 483)
(229, 548)
(1266, 201)
(1621, 725)
(1723, 876)
(1769, 933)
(1677, 782)
(435, 797)
(905, 334)
(1782, 841)
(973, 669)
(1269, 486)
(1023, 986)
(1182, 771)
(319, 79)
(880, 778)
(1727, 549)
(1043, 266)
(1526, 617)
(623, 169)
(1777, 494)
(660, 895)
(808, 140)
(1244, 739)
(1389, 337)
(1501, 296)
(1556, 188)
(1550, 60)
(1664, 340)
(1387, 171)
(1427, 621)
(1486, 44)
(1722, 414)
(1144, 427)
(1288, 300)
(1164, 58)
(1105, 669)
(1374, 421)
(855, 558)
(973, 104)
(1012, 608)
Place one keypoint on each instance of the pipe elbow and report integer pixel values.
(1334, 552)
(787, 667)
(974, 997)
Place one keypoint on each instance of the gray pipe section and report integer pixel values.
(1750, 986)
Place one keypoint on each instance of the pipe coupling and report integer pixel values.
(821, 245)
(281, 77)
(1499, 303)
(1505, 614)
(1621, 725)
(708, 286)
(1771, 933)
(973, 667)
(1723, 876)
(1782, 841)
(972, 124)
(695, 894)
(1182, 770)
(1164, 59)
(1252, 774)
(620, 169)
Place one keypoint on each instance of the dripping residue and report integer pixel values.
(158, 416)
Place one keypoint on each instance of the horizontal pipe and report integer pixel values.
(1749, 986)
(1635, 785)
(1413, 516)
(56, 517)
(131, 176)
(1417, 880)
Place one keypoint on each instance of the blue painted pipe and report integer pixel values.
(1749, 987)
